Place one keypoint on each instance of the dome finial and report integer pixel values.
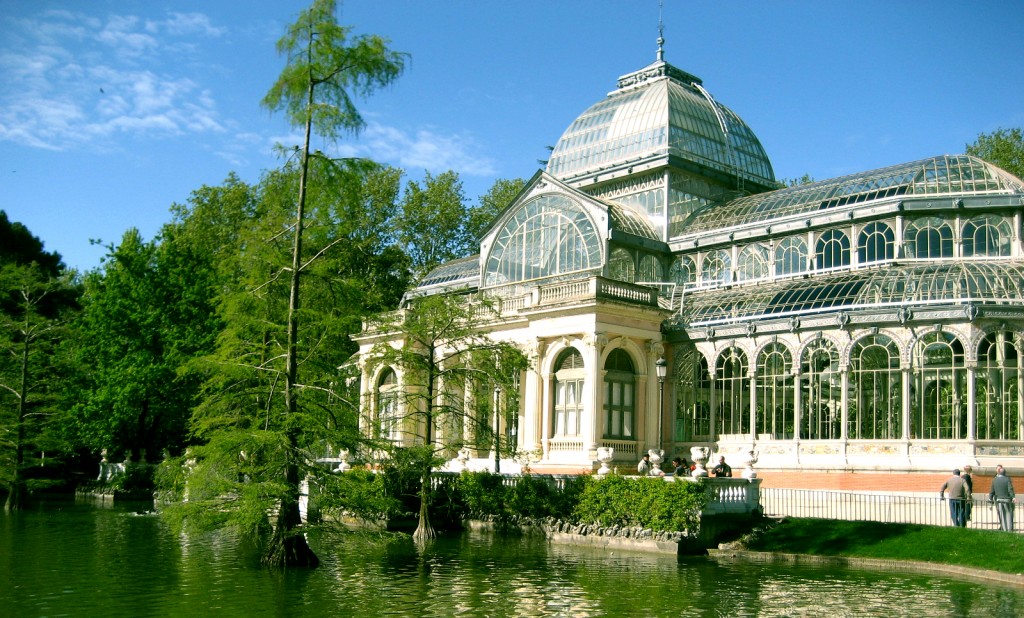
(661, 32)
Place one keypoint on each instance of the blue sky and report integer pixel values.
(110, 111)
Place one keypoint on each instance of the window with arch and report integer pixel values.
(939, 405)
(620, 265)
(683, 271)
(650, 270)
(387, 405)
(791, 256)
(716, 267)
(693, 396)
(548, 235)
(832, 250)
(619, 396)
(752, 263)
(876, 243)
(732, 392)
(569, 380)
(988, 235)
(774, 392)
(875, 406)
(996, 389)
(928, 238)
(821, 386)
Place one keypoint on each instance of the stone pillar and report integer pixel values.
(972, 408)
(797, 401)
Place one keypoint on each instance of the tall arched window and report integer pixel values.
(876, 402)
(732, 392)
(752, 263)
(621, 266)
(939, 408)
(569, 380)
(832, 250)
(996, 387)
(876, 243)
(987, 235)
(821, 397)
(693, 408)
(683, 271)
(774, 384)
(650, 270)
(928, 238)
(791, 256)
(619, 396)
(716, 267)
(387, 405)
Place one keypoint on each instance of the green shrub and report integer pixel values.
(645, 502)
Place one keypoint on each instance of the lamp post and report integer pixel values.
(661, 367)
(497, 429)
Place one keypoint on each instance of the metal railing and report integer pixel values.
(880, 507)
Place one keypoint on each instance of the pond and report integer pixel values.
(65, 558)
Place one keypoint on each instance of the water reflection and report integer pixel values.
(77, 560)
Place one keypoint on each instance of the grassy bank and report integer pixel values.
(983, 549)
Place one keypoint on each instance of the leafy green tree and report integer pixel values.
(289, 309)
(1002, 147)
(36, 296)
(491, 204)
(440, 353)
(432, 225)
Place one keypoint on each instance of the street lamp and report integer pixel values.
(661, 367)
(497, 429)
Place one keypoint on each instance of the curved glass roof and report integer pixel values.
(907, 285)
(671, 114)
(944, 175)
(466, 269)
(628, 220)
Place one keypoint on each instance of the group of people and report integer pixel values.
(960, 488)
(681, 467)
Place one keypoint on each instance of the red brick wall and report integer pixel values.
(865, 481)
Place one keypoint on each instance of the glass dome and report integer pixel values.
(659, 111)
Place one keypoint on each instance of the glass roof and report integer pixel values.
(945, 175)
(895, 285)
(465, 269)
(628, 220)
(661, 116)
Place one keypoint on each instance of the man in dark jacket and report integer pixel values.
(1002, 494)
(957, 494)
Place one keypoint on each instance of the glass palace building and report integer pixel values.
(873, 322)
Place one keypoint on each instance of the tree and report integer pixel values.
(326, 68)
(433, 222)
(441, 354)
(491, 204)
(1002, 147)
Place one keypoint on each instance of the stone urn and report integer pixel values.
(462, 459)
(749, 459)
(605, 454)
(656, 455)
(699, 455)
(344, 466)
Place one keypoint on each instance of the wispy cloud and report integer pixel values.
(74, 81)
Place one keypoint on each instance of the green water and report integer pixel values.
(68, 559)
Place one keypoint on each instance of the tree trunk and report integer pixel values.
(18, 498)
(424, 531)
(288, 547)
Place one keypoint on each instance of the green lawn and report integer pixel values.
(986, 549)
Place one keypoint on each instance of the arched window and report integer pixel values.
(752, 263)
(716, 268)
(832, 251)
(650, 270)
(791, 256)
(387, 405)
(619, 396)
(876, 402)
(939, 407)
(996, 387)
(774, 384)
(569, 380)
(876, 243)
(732, 392)
(987, 235)
(684, 271)
(821, 392)
(928, 238)
(620, 265)
(693, 408)
(548, 235)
